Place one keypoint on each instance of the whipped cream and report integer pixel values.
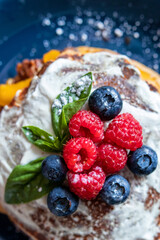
(132, 218)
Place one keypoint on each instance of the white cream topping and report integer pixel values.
(132, 216)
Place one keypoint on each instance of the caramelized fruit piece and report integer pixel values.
(8, 91)
(51, 55)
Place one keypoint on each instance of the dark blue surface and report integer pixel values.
(8, 231)
(25, 34)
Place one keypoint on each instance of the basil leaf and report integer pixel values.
(68, 103)
(42, 139)
(26, 183)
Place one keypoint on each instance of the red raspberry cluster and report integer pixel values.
(89, 163)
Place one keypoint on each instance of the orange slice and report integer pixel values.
(8, 91)
(51, 55)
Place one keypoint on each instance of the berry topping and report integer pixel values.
(115, 190)
(61, 202)
(79, 154)
(143, 161)
(54, 168)
(86, 124)
(125, 131)
(87, 185)
(105, 102)
(112, 158)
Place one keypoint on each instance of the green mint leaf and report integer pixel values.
(26, 183)
(70, 101)
(42, 139)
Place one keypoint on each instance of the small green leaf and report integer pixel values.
(26, 183)
(42, 139)
(68, 103)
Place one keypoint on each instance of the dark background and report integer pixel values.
(29, 28)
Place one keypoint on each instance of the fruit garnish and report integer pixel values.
(62, 202)
(8, 91)
(86, 124)
(112, 158)
(87, 157)
(143, 161)
(115, 190)
(79, 154)
(51, 55)
(87, 185)
(125, 131)
(54, 168)
(106, 102)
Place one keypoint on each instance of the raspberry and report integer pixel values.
(87, 185)
(79, 154)
(86, 124)
(125, 131)
(111, 158)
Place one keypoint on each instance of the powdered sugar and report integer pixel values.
(78, 87)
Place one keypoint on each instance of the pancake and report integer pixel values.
(139, 216)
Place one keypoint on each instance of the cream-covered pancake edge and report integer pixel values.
(131, 220)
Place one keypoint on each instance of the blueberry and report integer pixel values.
(143, 161)
(115, 190)
(62, 202)
(54, 168)
(106, 102)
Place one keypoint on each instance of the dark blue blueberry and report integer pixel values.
(106, 102)
(143, 161)
(115, 190)
(54, 168)
(62, 202)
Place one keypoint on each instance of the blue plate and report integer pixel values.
(30, 28)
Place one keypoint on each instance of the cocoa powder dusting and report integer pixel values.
(153, 197)
(122, 86)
